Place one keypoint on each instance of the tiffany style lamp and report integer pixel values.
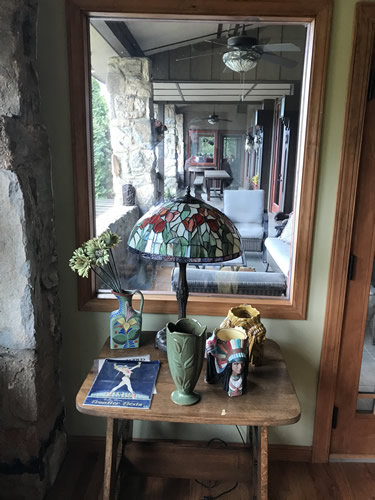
(188, 231)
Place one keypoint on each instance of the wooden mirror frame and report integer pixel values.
(203, 133)
(316, 12)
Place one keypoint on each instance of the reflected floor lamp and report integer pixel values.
(188, 231)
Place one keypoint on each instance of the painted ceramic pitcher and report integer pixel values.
(126, 322)
(185, 350)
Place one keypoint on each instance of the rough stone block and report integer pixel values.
(123, 220)
(142, 134)
(17, 318)
(170, 114)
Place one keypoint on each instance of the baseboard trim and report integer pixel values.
(289, 453)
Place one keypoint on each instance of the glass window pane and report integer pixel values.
(168, 113)
(367, 378)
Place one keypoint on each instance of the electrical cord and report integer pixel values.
(218, 440)
(213, 484)
(221, 494)
(225, 492)
(240, 433)
(210, 485)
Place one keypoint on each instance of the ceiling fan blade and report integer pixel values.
(279, 47)
(216, 43)
(288, 63)
(223, 120)
(194, 57)
(257, 25)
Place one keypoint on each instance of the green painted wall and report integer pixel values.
(84, 333)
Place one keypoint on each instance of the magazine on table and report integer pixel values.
(125, 383)
(98, 363)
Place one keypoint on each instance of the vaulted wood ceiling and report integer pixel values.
(187, 59)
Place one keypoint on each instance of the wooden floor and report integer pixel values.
(82, 472)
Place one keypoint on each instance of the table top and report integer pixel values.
(270, 398)
(201, 168)
(216, 174)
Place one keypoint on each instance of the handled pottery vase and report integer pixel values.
(248, 317)
(185, 350)
(126, 322)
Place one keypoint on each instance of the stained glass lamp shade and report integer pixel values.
(185, 230)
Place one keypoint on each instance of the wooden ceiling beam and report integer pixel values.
(122, 32)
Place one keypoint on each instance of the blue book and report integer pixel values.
(124, 384)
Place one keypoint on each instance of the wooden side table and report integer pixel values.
(196, 170)
(215, 175)
(270, 400)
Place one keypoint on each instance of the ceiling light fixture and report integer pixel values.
(241, 61)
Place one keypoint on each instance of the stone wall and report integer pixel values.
(170, 153)
(132, 134)
(180, 146)
(32, 440)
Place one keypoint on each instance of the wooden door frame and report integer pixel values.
(363, 43)
(276, 153)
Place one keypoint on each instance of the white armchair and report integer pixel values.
(245, 208)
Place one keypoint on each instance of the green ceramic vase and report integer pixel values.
(185, 350)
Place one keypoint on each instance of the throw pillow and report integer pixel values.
(287, 233)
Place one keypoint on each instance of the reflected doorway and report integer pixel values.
(232, 150)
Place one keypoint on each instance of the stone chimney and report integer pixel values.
(32, 439)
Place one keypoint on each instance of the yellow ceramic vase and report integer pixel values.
(248, 317)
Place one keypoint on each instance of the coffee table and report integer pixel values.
(269, 401)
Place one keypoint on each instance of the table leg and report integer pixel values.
(118, 433)
(262, 490)
(110, 460)
(208, 187)
(259, 446)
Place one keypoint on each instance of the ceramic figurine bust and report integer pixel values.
(235, 385)
(227, 359)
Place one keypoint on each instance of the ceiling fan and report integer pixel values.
(212, 119)
(243, 52)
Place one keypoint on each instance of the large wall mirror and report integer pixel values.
(161, 95)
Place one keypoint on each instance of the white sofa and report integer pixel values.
(278, 254)
(245, 208)
(278, 249)
(232, 282)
